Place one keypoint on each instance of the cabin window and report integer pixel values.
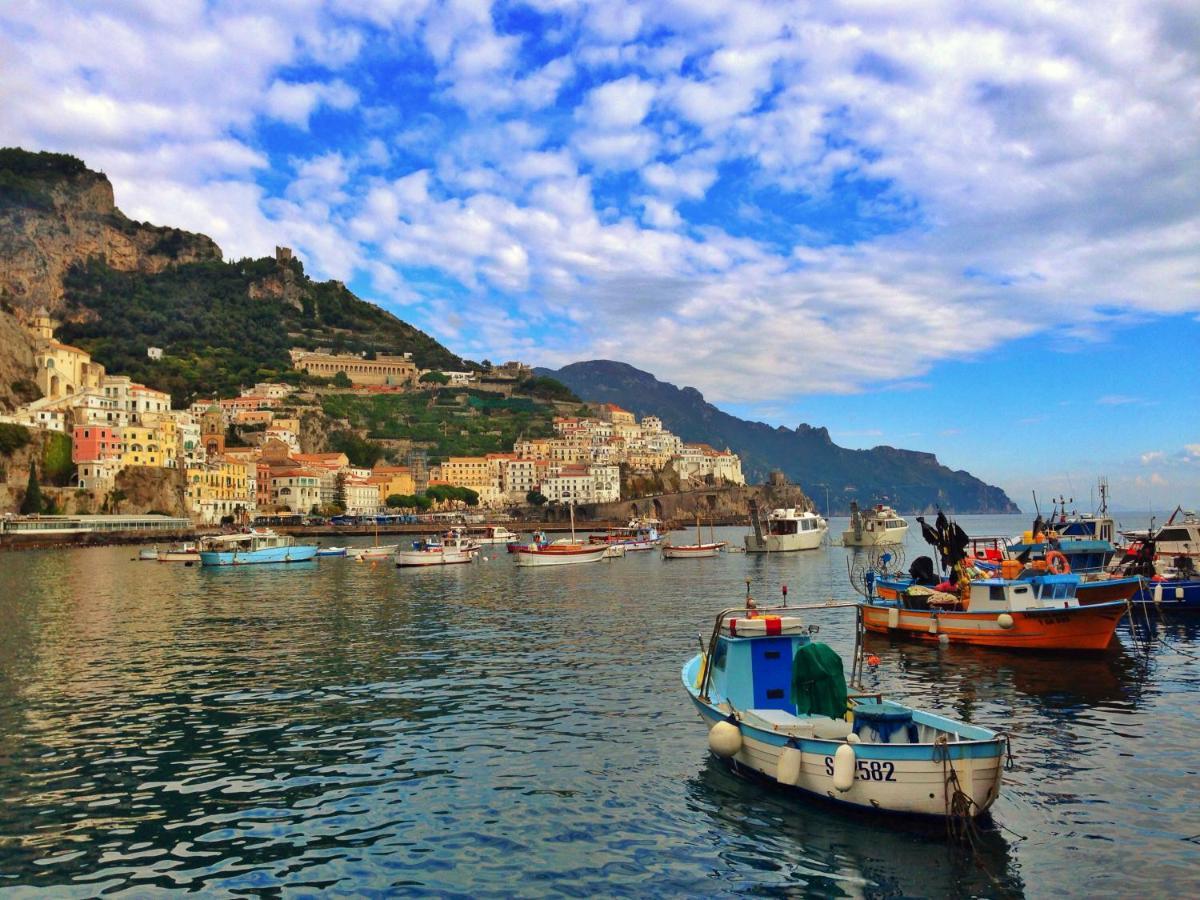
(1023, 589)
(775, 694)
(997, 593)
(1173, 534)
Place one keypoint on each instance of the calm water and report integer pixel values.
(488, 730)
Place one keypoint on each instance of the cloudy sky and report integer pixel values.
(970, 228)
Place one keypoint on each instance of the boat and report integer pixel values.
(373, 552)
(698, 550)
(639, 534)
(784, 530)
(562, 552)
(776, 705)
(331, 551)
(451, 549)
(148, 554)
(187, 552)
(878, 525)
(615, 551)
(988, 554)
(1085, 539)
(248, 548)
(1161, 586)
(1174, 540)
(494, 534)
(539, 539)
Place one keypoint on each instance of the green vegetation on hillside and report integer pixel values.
(451, 422)
(26, 178)
(13, 437)
(215, 337)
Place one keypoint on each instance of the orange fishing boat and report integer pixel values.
(1036, 613)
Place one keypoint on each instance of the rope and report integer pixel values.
(960, 820)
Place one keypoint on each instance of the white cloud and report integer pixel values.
(295, 102)
(1152, 456)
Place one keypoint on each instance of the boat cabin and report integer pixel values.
(252, 540)
(791, 521)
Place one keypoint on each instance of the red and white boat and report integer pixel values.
(698, 550)
(560, 554)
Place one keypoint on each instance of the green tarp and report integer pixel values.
(818, 682)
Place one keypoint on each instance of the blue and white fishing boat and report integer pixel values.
(331, 551)
(254, 547)
(776, 705)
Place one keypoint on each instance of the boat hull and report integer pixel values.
(785, 543)
(548, 557)
(293, 554)
(693, 551)
(178, 556)
(382, 551)
(1074, 628)
(416, 558)
(874, 538)
(1089, 593)
(1182, 596)
(907, 779)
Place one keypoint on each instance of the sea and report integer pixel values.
(489, 730)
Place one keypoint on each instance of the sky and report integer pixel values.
(965, 228)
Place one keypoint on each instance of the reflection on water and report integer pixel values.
(486, 729)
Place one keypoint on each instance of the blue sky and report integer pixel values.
(971, 228)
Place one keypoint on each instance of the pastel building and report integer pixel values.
(95, 442)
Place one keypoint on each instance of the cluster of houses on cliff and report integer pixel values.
(117, 424)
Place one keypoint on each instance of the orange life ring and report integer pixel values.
(1063, 567)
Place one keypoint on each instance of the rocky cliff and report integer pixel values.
(55, 212)
(17, 372)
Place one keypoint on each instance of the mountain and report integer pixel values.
(120, 286)
(909, 480)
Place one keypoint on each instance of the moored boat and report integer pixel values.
(254, 547)
(450, 550)
(785, 530)
(494, 534)
(776, 704)
(148, 554)
(557, 554)
(639, 534)
(878, 525)
(698, 550)
(331, 551)
(187, 552)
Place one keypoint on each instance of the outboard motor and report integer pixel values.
(921, 571)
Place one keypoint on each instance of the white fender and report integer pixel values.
(1178, 593)
(1158, 592)
(1005, 621)
(933, 625)
(725, 739)
(845, 762)
(787, 769)
(853, 738)
(894, 617)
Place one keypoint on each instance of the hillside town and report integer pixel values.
(116, 425)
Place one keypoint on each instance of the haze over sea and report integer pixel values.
(486, 730)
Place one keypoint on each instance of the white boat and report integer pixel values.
(375, 551)
(180, 553)
(495, 534)
(562, 552)
(615, 551)
(249, 548)
(784, 530)
(451, 550)
(776, 704)
(148, 554)
(878, 525)
(698, 550)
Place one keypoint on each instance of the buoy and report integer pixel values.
(844, 764)
(725, 739)
(787, 769)
(943, 639)
(1005, 621)
(894, 617)
(872, 660)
